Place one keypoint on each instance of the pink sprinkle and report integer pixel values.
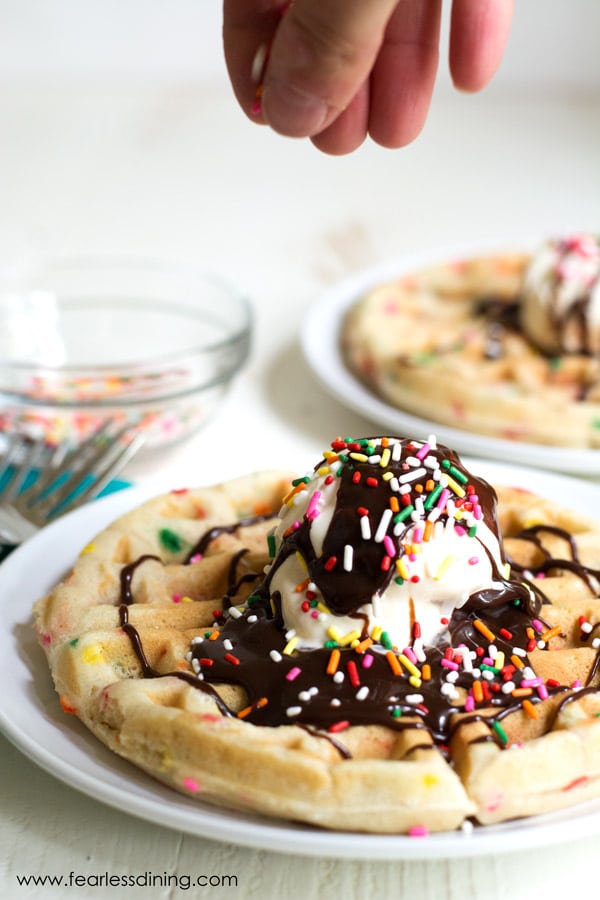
(422, 453)
(293, 673)
(45, 640)
(191, 785)
(367, 660)
(196, 557)
(537, 625)
(460, 530)
(442, 498)
(541, 575)
(477, 512)
(176, 598)
(576, 684)
(418, 535)
(389, 545)
(311, 511)
(410, 654)
(542, 691)
(314, 614)
(418, 831)
(473, 560)
(256, 108)
(531, 682)
(470, 703)
(449, 664)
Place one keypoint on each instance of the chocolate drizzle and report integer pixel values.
(285, 688)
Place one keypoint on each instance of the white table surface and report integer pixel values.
(176, 172)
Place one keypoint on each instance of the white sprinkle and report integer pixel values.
(394, 484)
(414, 698)
(419, 650)
(586, 627)
(508, 687)
(362, 693)
(432, 441)
(196, 665)
(518, 651)
(188, 656)
(375, 459)
(596, 643)
(413, 461)
(267, 569)
(404, 489)
(412, 476)
(476, 673)
(452, 676)
(234, 612)
(365, 528)
(335, 702)
(313, 691)
(275, 655)
(290, 634)
(304, 696)
(449, 690)
(541, 645)
(397, 451)
(253, 618)
(338, 677)
(382, 528)
(492, 651)
(431, 462)
(489, 676)
(348, 557)
(467, 827)
(227, 644)
(528, 672)
(292, 711)
(197, 640)
(434, 514)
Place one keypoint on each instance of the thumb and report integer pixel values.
(322, 52)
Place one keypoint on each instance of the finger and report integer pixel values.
(248, 29)
(404, 75)
(479, 31)
(349, 130)
(322, 53)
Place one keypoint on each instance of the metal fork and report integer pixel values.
(44, 481)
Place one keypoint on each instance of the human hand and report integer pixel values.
(337, 70)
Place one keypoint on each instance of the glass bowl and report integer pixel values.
(152, 343)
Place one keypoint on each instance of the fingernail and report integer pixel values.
(258, 63)
(292, 112)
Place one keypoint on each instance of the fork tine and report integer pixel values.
(21, 457)
(68, 485)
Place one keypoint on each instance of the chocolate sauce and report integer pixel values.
(285, 688)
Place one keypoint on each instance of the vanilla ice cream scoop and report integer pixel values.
(560, 306)
(382, 541)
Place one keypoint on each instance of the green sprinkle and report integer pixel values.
(271, 544)
(304, 480)
(386, 640)
(472, 531)
(252, 599)
(330, 645)
(170, 541)
(460, 477)
(74, 642)
(397, 712)
(489, 668)
(555, 362)
(399, 580)
(596, 423)
(403, 514)
(500, 732)
(433, 496)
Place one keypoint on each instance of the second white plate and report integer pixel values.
(321, 347)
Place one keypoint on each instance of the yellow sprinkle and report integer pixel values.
(377, 632)
(291, 645)
(455, 486)
(529, 523)
(93, 654)
(348, 638)
(499, 661)
(323, 470)
(402, 570)
(430, 780)
(334, 634)
(89, 548)
(443, 568)
(507, 570)
(387, 476)
(409, 665)
(186, 600)
(414, 681)
(166, 761)
(330, 455)
(324, 609)
(359, 457)
(301, 559)
(385, 458)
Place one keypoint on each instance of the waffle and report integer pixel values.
(445, 343)
(162, 642)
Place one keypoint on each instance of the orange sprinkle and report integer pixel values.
(522, 692)
(552, 632)
(363, 645)
(530, 709)
(428, 530)
(394, 505)
(426, 672)
(393, 663)
(385, 442)
(429, 485)
(302, 586)
(66, 706)
(484, 630)
(334, 661)
(517, 662)
(213, 635)
(248, 709)
(477, 691)
(419, 488)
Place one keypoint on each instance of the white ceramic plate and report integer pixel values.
(320, 340)
(31, 717)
